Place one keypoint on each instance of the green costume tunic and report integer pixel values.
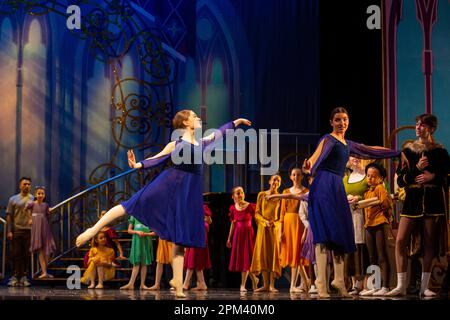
(141, 248)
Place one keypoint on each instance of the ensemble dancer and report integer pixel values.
(141, 254)
(41, 233)
(197, 259)
(175, 196)
(423, 174)
(266, 255)
(100, 263)
(329, 211)
(355, 184)
(241, 237)
(378, 225)
(163, 256)
(291, 232)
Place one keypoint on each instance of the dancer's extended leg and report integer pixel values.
(113, 214)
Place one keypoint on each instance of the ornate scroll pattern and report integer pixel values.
(112, 28)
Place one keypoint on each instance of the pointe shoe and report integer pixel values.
(84, 237)
(127, 287)
(154, 288)
(242, 289)
(382, 292)
(340, 287)
(368, 293)
(295, 290)
(428, 293)
(396, 292)
(322, 290)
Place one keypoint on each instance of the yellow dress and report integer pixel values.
(106, 254)
(164, 252)
(266, 252)
(291, 247)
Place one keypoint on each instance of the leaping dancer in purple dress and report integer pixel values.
(328, 208)
(172, 204)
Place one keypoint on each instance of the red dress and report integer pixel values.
(243, 238)
(198, 258)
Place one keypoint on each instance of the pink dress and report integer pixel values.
(198, 258)
(243, 238)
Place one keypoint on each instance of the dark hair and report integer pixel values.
(338, 110)
(295, 168)
(94, 242)
(379, 167)
(179, 118)
(235, 188)
(24, 178)
(428, 119)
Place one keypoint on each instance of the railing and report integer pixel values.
(73, 215)
(3, 222)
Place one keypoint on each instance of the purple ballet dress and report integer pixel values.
(328, 209)
(41, 235)
(172, 204)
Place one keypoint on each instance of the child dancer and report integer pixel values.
(163, 256)
(241, 237)
(291, 231)
(266, 252)
(198, 258)
(100, 263)
(141, 252)
(41, 235)
(175, 196)
(355, 184)
(377, 219)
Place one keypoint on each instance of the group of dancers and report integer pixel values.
(172, 207)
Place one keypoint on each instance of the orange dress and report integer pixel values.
(266, 255)
(291, 247)
(164, 252)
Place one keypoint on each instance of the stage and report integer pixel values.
(61, 293)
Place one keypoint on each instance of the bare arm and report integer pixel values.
(230, 234)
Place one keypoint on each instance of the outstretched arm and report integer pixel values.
(137, 165)
(230, 234)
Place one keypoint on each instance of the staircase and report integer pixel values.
(58, 267)
(74, 215)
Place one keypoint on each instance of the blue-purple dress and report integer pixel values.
(328, 209)
(172, 204)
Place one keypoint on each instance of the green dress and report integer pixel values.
(141, 248)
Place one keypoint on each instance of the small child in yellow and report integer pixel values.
(377, 224)
(100, 262)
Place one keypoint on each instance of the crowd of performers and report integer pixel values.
(343, 215)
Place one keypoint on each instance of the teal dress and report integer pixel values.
(141, 248)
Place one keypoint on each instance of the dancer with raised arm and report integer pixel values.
(172, 204)
(328, 208)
